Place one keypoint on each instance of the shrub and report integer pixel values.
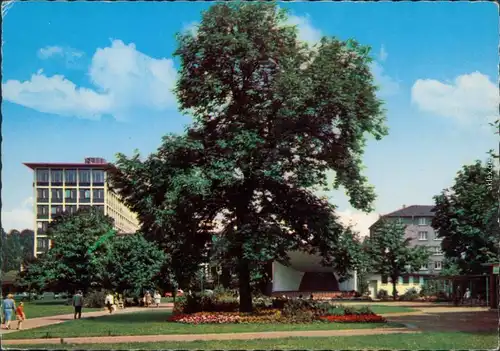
(382, 294)
(94, 299)
(410, 295)
(205, 303)
(299, 310)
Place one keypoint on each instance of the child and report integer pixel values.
(20, 315)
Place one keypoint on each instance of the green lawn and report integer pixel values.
(417, 341)
(382, 309)
(49, 307)
(155, 322)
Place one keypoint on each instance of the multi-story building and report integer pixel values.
(67, 187)
(417, 219)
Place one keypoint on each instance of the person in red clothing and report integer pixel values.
(20, 315)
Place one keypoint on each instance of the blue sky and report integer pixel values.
(94, 79)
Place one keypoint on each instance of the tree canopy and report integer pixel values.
(17, 248)
(69, 264)
(466, 218)
(132, 264)
(390, 253)
(271, 117)
(87, 254)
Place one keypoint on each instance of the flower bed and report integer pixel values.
(261, 316)
(354, 318)
(270, 316)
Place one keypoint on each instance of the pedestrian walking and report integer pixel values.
(78, 304)
(20, 316)
(157, 298)
(148, 299)
(467, 295)
(8, 308)
(109, 302)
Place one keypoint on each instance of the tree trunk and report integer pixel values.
(225, 278)
(394, 291)
(245, 289)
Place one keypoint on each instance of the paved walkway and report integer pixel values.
(459, 319)
(196, 337)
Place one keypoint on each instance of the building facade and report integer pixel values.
(417, 219)
(67, 187)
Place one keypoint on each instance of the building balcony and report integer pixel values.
(42, 215)
(42, 200)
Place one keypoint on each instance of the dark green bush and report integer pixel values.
(205, 303)
(410, 295)
(94, 299)
(382, 294)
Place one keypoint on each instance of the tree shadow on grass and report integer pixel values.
(469, 322)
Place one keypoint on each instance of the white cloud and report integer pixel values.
(19, 218)
(382, 56)
(306, 31)
(360, 221)
(49, 51)
(72, 57)
(125, 80)
(388, 85)
(469, 97)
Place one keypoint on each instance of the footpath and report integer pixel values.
(196, 337)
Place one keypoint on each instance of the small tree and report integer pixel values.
(390, 253)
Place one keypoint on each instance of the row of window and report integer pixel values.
(423, 235)
(407, 279)
(420, 221)
(43, 212)
(438, 265)
(69, 176)
(70, 195)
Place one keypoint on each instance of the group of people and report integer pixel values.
(148, 299)
(8, 310)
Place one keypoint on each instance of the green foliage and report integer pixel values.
(84, 256)
(304, 310)
(203, 303)
(272, 117)
(390, 252)
(466, 218)
(17, 248)
(410, 295)
(132, 263)
(94, 299)
(382, 294)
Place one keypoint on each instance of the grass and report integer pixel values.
(49, 307)
(421, 341)
(382, 309)
(155, 323)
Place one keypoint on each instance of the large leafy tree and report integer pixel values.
(466, 217)
(77, 258)
(271, 116)
(391, 254)
(132, 264)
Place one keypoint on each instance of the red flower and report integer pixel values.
(355, 318)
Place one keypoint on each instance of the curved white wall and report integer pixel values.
(286, 278)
